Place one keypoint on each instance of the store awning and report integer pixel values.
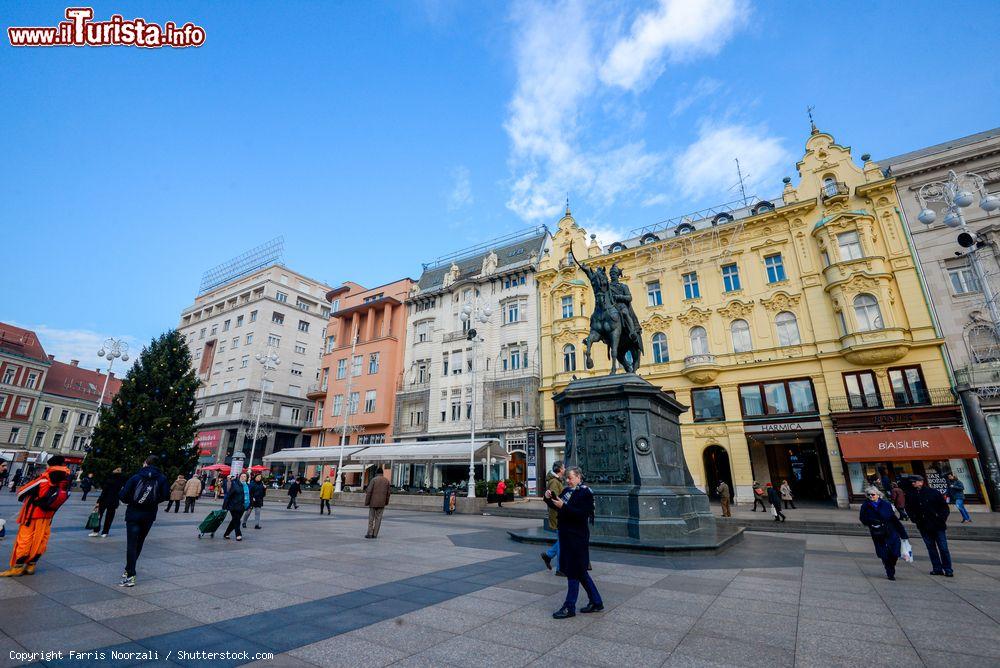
(431, 451)
(327, 454)
(906, 444)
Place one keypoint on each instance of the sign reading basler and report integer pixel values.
(81, 30)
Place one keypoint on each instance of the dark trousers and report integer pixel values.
(890, 565)
(573, 591)
(189, 503)
(325, 503)
(175, 504)
(937, 548)
(109, 516)
(756, 500)
(234, 522)
(292, 502)
(136, 532)
(789, 504)
(85, 493)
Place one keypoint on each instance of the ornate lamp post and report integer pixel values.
(268, 361)
(345, 428)
(111, 350)
(474, 311)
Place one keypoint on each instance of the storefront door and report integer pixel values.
(801, 461)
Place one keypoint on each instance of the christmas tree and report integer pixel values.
(153, 413)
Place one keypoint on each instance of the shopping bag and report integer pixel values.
(3, 528)
(93, 522)
(774, 511)
(906, 550)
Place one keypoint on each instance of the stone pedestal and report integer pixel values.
(625, 435)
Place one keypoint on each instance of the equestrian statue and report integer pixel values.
(613, 321)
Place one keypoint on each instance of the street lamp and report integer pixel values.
(472, 312)
(338, 485)
(111, 350)
(268, 361)
(957, 193)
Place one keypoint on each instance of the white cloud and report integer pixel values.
(571, 126)
(82, 345)
(703, 88)
(655, 200)
(707, 166)
(461, 193)
(675, 30)
(606, 234)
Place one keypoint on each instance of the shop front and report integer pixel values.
(932, 452)
(792, 450)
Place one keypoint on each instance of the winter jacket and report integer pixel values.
(87, 483)
(898, 498)
(786, 491)
(177, 489)
(192, 488)
(956, 491)
(235, 498)
(110, 490)
(294, 489)
(554, 484)
(927, 508)
(773, 497)
(885, 528)
(723, 491)
(501, 488)
(53, 478)
(575, 517)
(377, 494)
(147, 512)
(257, 493)
(326, 491)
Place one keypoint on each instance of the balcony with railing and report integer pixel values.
(982, 374)
(454, 336)
(915, 398)
(834, 191)
(316, 391)
(701, 369)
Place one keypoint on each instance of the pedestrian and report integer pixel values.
(142, 493)
(237, 500)
(554, 484)
(192, 490)
(4, 472)
(929, 511)
(759, 496)
(86, 484)
(576, 512)
(724, 497)
(325, 494)
(376, 498)
(15, 482)
(176, 494)
(774, 498)
(293, 494)
(786, 495)
(501, 490)
(108, 502)
(956, 495)
(257, 492)
(40, 499)
(898, 497)
(886, 530)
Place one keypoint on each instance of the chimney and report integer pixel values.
(111, 375)
(52, 358)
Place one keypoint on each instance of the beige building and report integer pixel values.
(246, 313)
(955, 292)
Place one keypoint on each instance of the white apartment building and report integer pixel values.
(434, 401)
(249, 312)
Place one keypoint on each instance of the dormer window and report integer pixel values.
(648, 239)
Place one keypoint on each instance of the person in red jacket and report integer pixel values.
(501, 490)
(41, 497)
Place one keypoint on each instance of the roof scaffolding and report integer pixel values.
(265, 255)
(486, 245)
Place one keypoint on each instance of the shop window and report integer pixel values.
(740, 331)
(660, 354)
(707, 404)
(908, 387)
(862, 390)
(867, 313)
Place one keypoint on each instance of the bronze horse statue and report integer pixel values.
(613, 322)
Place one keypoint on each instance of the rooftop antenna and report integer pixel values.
(812, 123)
(741, 184)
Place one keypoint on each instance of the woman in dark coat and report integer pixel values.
(108, 502)
(887, 531)
(257, 493)
(237, 500)
(575, 506)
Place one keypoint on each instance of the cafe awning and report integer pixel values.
(432, 451)
(327, 454)
(906, 444)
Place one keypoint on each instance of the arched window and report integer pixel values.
(569, 357)
(648, 239)
(660, 353)
(740, 330)
(867, 313)
(617, 246)
(984, 345)
(788, 329)
(829, 186)
(699, 341)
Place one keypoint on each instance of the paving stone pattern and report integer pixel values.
(454, 591)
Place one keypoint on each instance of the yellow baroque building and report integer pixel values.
(797, 330)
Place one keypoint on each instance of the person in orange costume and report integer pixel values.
(42, 497)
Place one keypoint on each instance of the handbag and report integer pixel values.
(93, 522)
(906, 550)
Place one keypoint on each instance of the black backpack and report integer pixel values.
(144, 493)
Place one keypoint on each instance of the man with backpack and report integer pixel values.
(143, 492)
(41, 497)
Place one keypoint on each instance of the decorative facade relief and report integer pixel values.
(781, 301)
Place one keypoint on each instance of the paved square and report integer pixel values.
(435, 590)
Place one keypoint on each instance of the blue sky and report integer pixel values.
(377, 136)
